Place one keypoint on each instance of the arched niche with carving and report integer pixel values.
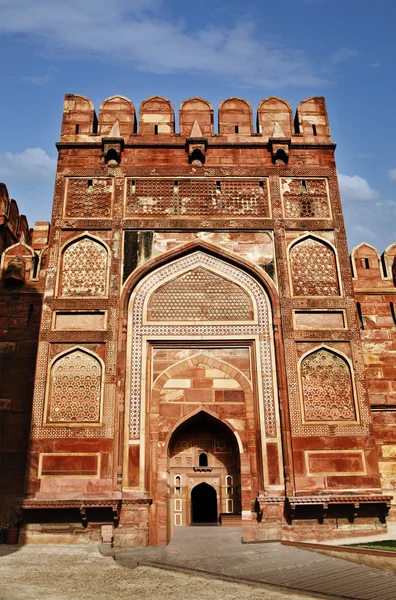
(235, 117)
(156, 116)
(75, 388)
(84, 268)
(271, 111)
(117, 108)
(196, 109)
(313, 268)
(326, 387)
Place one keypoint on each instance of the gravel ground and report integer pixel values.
(75, 573)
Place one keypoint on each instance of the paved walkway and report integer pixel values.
(219, 551)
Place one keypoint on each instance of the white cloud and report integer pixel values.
(139, 32)
(32, 163)
(392, 174)
(365, 231)
(354, 187)
(343, 54)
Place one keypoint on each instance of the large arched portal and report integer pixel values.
(200, 365)
(204, 469)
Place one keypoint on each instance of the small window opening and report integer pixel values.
(133, 186)
(366, 263)
(393, 312)
(155, 129)
(90, 182)
(261, 187)
(218, 187)
(77, 128)
(360, 315)
(304, 186)
(280, 157)
(178, 488)
(229, 485)
(314, 129)
(203, 460)
(236, 128)
(176, 187)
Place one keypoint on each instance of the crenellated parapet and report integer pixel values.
(13, 226)
(21, 249)
(372, 270)
(273, 118)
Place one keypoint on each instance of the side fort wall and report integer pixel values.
(205, 351)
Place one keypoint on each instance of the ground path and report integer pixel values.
(219, 551)
(81, 573)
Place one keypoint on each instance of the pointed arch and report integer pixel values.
(83, 267)
(136, 323)
(75, 388)
(202, 358)
(314, 268)
(327, 386)
(209, 413)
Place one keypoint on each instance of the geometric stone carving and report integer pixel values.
(84, 269)
(75, 392)
(313, 269)
(197, 197)
(304, 199)
(200, 294)
(88, 197)
(327, 387)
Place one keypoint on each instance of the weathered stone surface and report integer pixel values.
(199, 343)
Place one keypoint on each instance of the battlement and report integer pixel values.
(13, 226)
(274, 119)
(370, 270)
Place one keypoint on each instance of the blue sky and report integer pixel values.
(342, 49)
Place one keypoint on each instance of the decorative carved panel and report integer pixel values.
(327, 387)
(84, 269)
(305, 198)
(197, 197)
(313, 268)
(200, 295)
(75, 390)
(88, 197)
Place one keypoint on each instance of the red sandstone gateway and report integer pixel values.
(200, 358)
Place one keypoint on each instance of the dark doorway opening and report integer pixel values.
(204, 504)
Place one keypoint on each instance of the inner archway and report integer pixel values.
(203, 458)
(203, 504)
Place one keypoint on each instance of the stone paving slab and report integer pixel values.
(219, 551)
